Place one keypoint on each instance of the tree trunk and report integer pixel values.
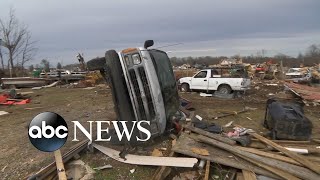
(12, 71)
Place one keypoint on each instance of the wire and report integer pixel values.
(169, 45)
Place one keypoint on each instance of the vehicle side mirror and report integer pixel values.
(148, 43)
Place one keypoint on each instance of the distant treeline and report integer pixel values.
(310, 58)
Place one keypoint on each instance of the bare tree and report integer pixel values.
(28, 50)
(1, 56)
(16, 38)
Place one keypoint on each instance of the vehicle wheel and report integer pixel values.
(224, 89)
(120, 94)
(119, 89)
(96, 64)
(185, 87)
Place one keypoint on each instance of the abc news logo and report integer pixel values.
(48, 131)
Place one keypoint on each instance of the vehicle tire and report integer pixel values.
(224, 89)
(185, 87)
(120, 95)
(119, 88)
(96, 64)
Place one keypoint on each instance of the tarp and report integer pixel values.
(4, 100)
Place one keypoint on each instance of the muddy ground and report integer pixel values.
(18, 158)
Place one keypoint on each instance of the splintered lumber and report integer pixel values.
(240, 176)
(230, 114)
(293, 155)
(148, 160)
(286, 141)
(297, 171)
(211, 135)
(206, 176)
(279, 172)
(45, 172)
(185, 143)
(248, 175)
(163, 171)
(270, 155)
(60, 167)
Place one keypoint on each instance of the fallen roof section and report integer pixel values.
(148, 160)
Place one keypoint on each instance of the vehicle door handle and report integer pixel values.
(205, 80)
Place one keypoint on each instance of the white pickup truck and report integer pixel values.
(224, 80)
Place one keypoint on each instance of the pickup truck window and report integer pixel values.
(215, 73)
(201, 74)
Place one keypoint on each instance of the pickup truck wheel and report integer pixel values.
(96, 64)
(185, 87)
(120, 94)
(224, 89)
(119, 89)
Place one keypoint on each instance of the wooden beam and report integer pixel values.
(60, 167)
(293, 155)
(206, 176)
(163, 171)
(49, 169)
(249, 175)
(278, 172)
(211, 135)
(297, 171)
(185, 143)
(270, 155)
(240, 176)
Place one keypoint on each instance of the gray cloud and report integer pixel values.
(62, 28)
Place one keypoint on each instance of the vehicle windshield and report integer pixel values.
(167, 81)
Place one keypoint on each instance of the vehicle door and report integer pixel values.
(214, 79)
(200, 80)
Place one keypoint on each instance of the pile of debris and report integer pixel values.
(11, 97)
(309, 95)
(215, 152)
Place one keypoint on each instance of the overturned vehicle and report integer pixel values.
(142, 84)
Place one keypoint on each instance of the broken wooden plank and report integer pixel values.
(270, 155)
(293, 155)
(240, 176)
(211, 135)
(47, 171)
(163, 171)
(297, 171)
(60, 166)
(148, 160)
(206, 176)
(231, 114)
(278, 172)
(185, 143)
(285, 141)
(248, 175)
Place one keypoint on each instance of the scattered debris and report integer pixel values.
(228, 124)
(89, 88)
(205, 95)
(156, 152)
(108, 166)
(36, 88)
(77, 169)
(2, 170)
(132, 171)
(3, 113)
(200, 151)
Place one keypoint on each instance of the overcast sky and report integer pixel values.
(204, 27)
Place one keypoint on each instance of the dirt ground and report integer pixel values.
(18, 158)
